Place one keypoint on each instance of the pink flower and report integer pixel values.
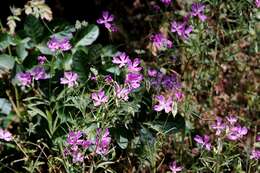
(5, 135)
(197, 9)
(203, 141)
(257, 3)
(166, 2)
(122, 93)
(255, 154)
(41, 59)
(99, 98)
(174, 168)
(164, 104)
(69, 78)
(107, 20)
(102, 142)
(237, 132)
(24, 78)
(121, 59)
(133, 66)
(232, 119)
(182, 29)
(152, 72)
(160, 41)
(55, 44)
(133, 80)
(39, 73)
(219, 126)
(179, 95)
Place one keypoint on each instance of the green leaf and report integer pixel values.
(108, 51)
(33, 28)
(80, 64)
(5, 41)
(21, 49)
(5, 106)
(6, 62)
(90, 34)
(114, 70)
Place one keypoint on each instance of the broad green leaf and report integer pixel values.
(89, 35)
(80, 64)
(6, 62)
(114, 70)
(33, 28)
(5, 41)
(21, 49)
(108, 51)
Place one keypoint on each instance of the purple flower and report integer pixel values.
(182, 29)
(121, 59)
(152, 72)
(55, 44)
(160, 41)
(24, 78)
(102, 142)
(5, 135)
(121, 92)
(255, 154)
(236, 132)
(164, 104)
(232, 119)
(39, 73)
(174, 168)
(74, 138)
(166, 2)
(41, 59)
(197, 9)
(69, 78)
(258, 138)
(170, 82)
(179, 95)
(99, 98)
(107, 20)
(219, 126)
(77, 157)
(257, 3)
(203, 141)
(108, 79)
(132, 66)
(133, 80)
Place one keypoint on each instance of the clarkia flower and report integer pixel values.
(74, 138)
(258, 138)
(107, 20)
(231, 119)
(197, 9)
(41, 59)
(77, 157)
(203, 141)
(24, 78)
(257, 3)
(164, 104)
(219, 126)
(181, 28)
(152, 72)
(99, 98)
(133, 66)
(133, 80)
(179, 95)
(121, 59)
(236, 132)
(5, 135)
(55, 44)
(255, 154)
(160, 41)
(108, 79)
(69, 78)
(166, 2)
(174, 168)
(121, 92)
(102, 142)
(39, 73)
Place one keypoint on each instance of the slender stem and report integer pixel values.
(13, 104)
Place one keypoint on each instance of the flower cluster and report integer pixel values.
(78, 143)
(197, 9)
(5, 135)
(62, 44)
(99, 98)
(70, 78)
(181, 28)
(203, 141)
(26, 78)
(107, 20)
(160, 42)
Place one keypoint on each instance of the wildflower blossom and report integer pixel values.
(166, 2)
(164, 104)
(231, 119)
(108, 79)
(25, 78)
(39, 73)
(203, 141)
(152, 72)
(258, 138)
(69, 78)
(77, 157)
(55, 44)
(107, 20)
(74, 138)
(179, 95)
(121, 59)
(181, 28)
(197, 9)
(99, 98)
(5, 135)
(133, 80)
(255, 154)
(257, 3)
(102, 142)
(174, 168)
(41, 59)
(170, 82)
(160, 41)
(121, 92)
(133, 66)
(219, 126)
(236, 132)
